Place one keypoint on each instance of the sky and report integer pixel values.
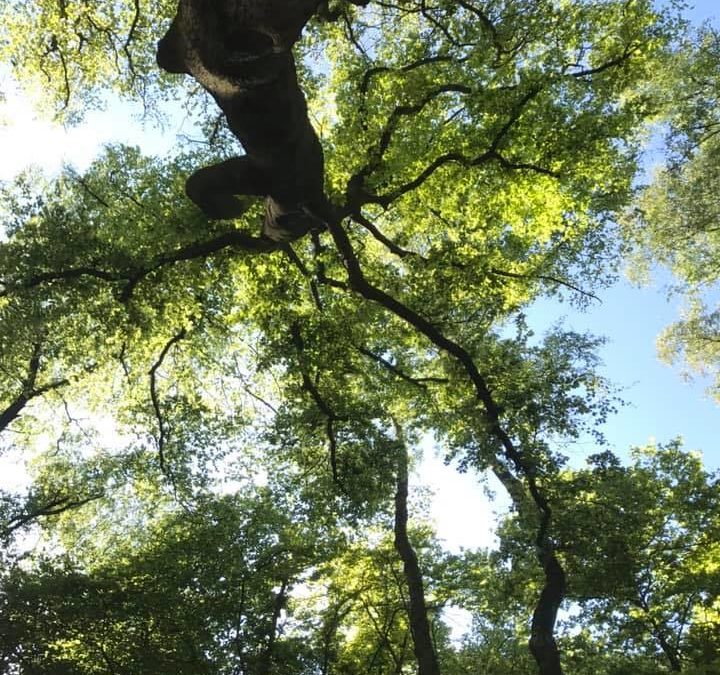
(662, 404)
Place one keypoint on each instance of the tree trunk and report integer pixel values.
(419, 624)
(670, 654)
(266, 660)
(542, 641)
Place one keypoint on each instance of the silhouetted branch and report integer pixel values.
(162, 433)
(360, 219)
(29, 389)
(322, 405)
(52, 508)
(388, 365)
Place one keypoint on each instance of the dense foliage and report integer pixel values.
(218, 432)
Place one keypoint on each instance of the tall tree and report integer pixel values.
(474, 154)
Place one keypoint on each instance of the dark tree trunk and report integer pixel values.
(670, 653)
(419, 624)
(240, 51)
(266, 660)
(542, 640)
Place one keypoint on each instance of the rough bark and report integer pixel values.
(240, 52)
(419, 624)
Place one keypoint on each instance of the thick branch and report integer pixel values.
(29, 389)
(627, 53)
(375, 232)
(542, 642)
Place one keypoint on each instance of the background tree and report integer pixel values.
(674, 220)
(639, 544)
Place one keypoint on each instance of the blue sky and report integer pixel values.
(702, 9)
(662, 403)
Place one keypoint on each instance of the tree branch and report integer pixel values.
(545, 277)
(360, 219)
(29, 390)
(322, 405)
(394, 120)
(52, 508)
(162, 433)
(372, 72)
(202, 249)
(388, 365)
(544, 647)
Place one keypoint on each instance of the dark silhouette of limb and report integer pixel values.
(217, 189)
(240, 52)
(171, 51)
(542, 639)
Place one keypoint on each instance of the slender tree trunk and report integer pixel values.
(658, 632)
(542, 629)
(266, 661)
(542, 640)
(419, 624)
(670, 653)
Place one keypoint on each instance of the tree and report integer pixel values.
(652, 568)
(201, 592)
(474, 156)
(639, 544)
(674, 220)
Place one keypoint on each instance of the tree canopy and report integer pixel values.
(673, 222)
(219, 427)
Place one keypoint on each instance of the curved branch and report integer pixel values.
(357, 195)
(360, 219)
(394, 120)
(130, 38)
(29, 390)
(372, 72)
(233, 239)
(52, 508)
(162, 433)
